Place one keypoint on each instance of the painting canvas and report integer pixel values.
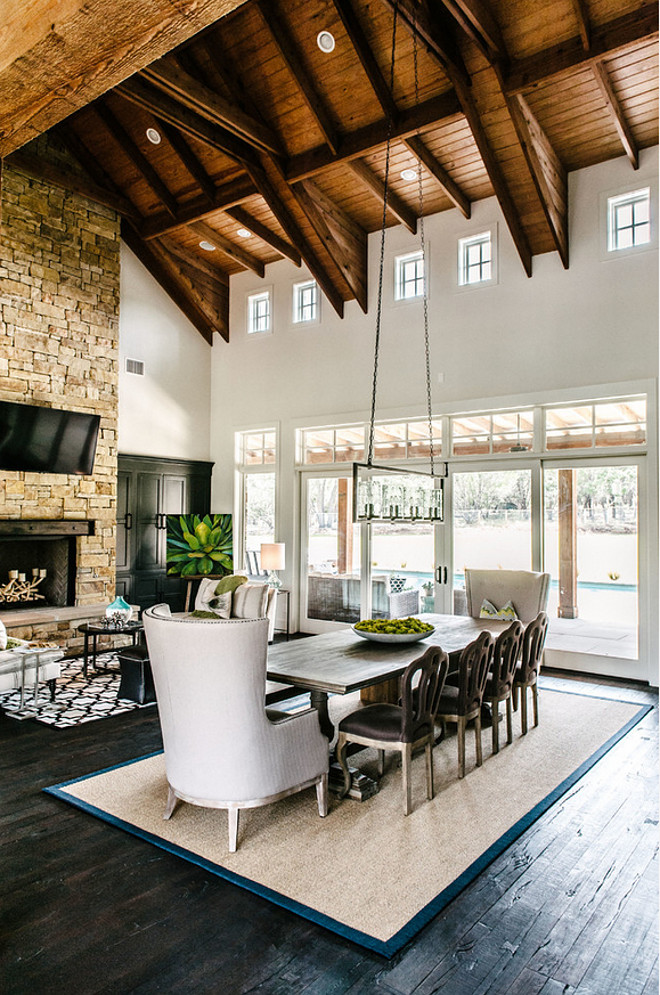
(199, 544)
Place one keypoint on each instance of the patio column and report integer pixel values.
(567, 520)
(344, 527)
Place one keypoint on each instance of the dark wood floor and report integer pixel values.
(570, 908)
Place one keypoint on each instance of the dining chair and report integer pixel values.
(404, 727)
(461, 702)
(499, 685)
(527, 671)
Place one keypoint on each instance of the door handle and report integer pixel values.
(445, 576)
(441, 575)
(128, 521)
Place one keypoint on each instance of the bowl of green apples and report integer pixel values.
(393, 630)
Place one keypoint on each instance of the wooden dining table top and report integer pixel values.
(341, 662)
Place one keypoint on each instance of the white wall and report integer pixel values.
(166, 412)
(596, 322)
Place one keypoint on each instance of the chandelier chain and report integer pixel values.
(379, 306)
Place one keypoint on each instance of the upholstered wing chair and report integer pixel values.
(526, 589)
(223, 748)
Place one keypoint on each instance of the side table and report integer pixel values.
(101, 628)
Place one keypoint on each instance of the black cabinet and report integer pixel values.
(148, 490)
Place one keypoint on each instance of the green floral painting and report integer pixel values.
(199, 544)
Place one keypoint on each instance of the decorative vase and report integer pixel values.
(119, 612)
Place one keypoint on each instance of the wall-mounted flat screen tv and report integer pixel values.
(47, 440)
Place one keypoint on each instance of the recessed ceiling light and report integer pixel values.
(408, 174)
(153, 136)
(207, 246)
(325, 41)
(244, 233)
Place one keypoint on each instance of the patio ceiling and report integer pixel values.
(270, 147)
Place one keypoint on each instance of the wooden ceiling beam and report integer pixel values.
(583, 22)
(225, 245)
(374, 136)
(91, 165)
(187, 158)
(214, 273)
(38, 168)
(616, 112)
(290, 226)
(287, 49)
(548, 172)
(162, 105)
(449, 187)
(344, 240)
(261, 231)
(226, 195)
(182, 291)
(395, 204)
(479, 24)
(169, 77)
(433, 28)
(133, 153)
(606, 40)
(364, 53)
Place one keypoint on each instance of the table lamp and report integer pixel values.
(272, 559)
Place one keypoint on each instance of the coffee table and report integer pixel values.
(92, 630)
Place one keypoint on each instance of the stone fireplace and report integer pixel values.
(43, 553)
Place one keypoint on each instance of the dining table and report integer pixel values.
(342, 662)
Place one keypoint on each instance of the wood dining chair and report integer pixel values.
(499, 685)
(527, 671)
(404, 727)
(461, 702)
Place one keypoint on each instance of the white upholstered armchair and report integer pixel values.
(223, 748)
(526, 589)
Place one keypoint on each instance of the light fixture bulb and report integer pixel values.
(408, 174)
(325, 41)
(207, 246)
(244, 233)
(153, 136)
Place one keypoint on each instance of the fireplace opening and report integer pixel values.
(37, 572)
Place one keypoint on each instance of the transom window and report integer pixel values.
(406, 440)
(400, 440)
(259, 312)
(333, 445)
(475, 259)
(499, 432)
(256, 448)
(629, 220)
(588, 426)
(409, 276)
(305, 301)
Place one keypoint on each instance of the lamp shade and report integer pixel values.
(272, 556)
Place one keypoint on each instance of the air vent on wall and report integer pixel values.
(135, 366)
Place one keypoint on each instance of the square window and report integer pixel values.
(259, 312)
(475, 259)
(628, 220)
(409, 276)
(305, 302)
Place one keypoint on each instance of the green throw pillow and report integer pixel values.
(229, 583)
(198, 613)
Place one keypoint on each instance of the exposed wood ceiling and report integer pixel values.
(261, 130)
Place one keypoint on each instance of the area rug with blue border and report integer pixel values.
(366, 871)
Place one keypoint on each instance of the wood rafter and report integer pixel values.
(235, 252)
(169, 77)
(606, 40)
(368, 62)
(91, 165)
(584, 25)
(433, 27)
(616, 112)
(290, 226)
(187, 158)
(266, 235)
(374, 136)
(141, 163)
(476, 19)
(344, 240)
(548, 172)
(190, 123)
(289, 54)
(207, 312)
(395, 204)
(451, 189)
(226, 195)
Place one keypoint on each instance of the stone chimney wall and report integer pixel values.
(59, 328)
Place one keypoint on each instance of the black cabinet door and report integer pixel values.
(124, 520)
